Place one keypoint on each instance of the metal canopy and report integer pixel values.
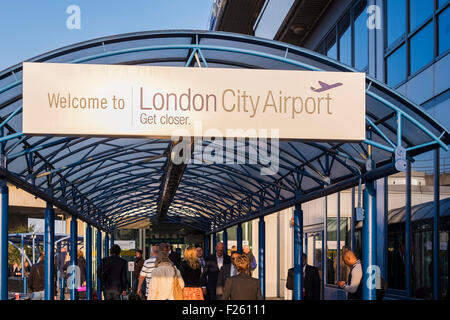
(114, 182)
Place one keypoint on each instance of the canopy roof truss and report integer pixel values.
(113, 182)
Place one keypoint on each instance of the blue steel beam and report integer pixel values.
(49, 243)
(239, 237)
(4, 196)
(225, 241)
(73, 258)
(262, 255)
(298, 253)
(436, 215)
(214, 242)
(88, 262)
(99, 258)
(206, 248)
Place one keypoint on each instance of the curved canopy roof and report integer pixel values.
(114, 182)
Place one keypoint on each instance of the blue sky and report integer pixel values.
(31, 27)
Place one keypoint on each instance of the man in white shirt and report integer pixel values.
(354, 284)
(147, 268)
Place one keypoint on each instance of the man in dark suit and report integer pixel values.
(311, 281)
(113, 274)
(227, 271)
(211, 272)
(173, 256)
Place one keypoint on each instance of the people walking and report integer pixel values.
(311, 281)
(166, 282)
(138, 263)
(201, 258)
(227, 271)
(211, 272)
(353, 286)
(167, 248)
(146, 271)
(60, 260)
(242, 286)
(190, 270)
(36, 281)
(113, 274)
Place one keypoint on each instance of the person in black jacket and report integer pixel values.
(242, 286)
(191, 270)
(173, 256)
(36, 281)
(211, 272)
(227, 271)
(311, 281)
(113, 274)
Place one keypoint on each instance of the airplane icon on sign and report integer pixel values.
(325, 86)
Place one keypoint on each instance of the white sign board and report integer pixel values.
(148, 101)
(126, 244)
(131, 266)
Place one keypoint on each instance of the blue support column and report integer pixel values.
(382, 226)
(4, 240)
(369, 240)
(73, 257)
(225, 241)
(298, 253)
(24, 279)
(436, 214)
(88, 245)
(408, 232)
(99, 258)
(49, 243)
(206, 248)
(338, 240)
(214, 242)
(111, 242)
(352, 224)
(262, 255)
(239, 238)
(106, 249)
(305, 243)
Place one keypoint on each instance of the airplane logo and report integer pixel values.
(325, 86)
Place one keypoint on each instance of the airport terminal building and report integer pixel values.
(406, 48)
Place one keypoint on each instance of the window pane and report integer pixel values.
(331, 45)
(331, 245)
(361, 42)
(442, 2)
(444, 31)
(420, 10)
(345, 41)
(396, 20)
(396, 67)
(422, 48)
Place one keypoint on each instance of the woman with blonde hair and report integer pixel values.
(242, 286)
(191, 272)
(162, 284)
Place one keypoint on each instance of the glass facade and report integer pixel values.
(417, 33)
(338, 213)
(350, 33)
